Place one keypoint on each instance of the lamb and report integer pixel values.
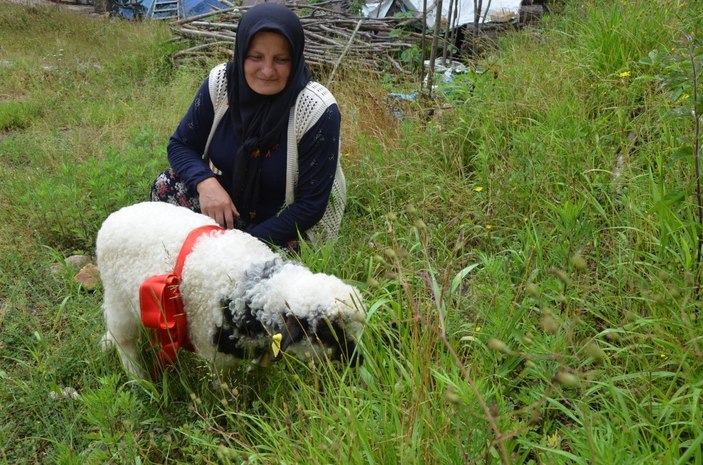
(237, 293)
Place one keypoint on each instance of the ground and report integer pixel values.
(69, 4)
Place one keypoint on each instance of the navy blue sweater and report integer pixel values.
(318, 152)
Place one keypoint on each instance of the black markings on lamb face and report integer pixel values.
(229, 336)
(329, 335)
(334, 338)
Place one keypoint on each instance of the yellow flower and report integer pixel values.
(684, 97)
(489, 227)
(554, 440)
(478, 329)
(479, 189)
(662, 355)
(515, 121)
(624, 74)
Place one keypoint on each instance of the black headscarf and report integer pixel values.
(260, 120)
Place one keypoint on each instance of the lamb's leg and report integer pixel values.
(123, 330)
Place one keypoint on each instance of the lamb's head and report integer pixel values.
(323, 318)
(307, 314)
(288, 309)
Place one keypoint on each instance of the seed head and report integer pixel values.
(451, 395)
(532, 290)
(594, 351)
(549, 324)
(578, 262)
(561, 275)
(498, 346)
(567, 379)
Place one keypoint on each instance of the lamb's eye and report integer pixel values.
(225, 304)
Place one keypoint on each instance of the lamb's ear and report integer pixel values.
(293, 333)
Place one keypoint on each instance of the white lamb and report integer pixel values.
(236, 291)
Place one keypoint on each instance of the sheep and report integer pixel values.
(242, 300)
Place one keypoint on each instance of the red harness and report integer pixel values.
(162, 307)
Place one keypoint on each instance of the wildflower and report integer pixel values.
(681, 99)
(624, 74)
(553, 440)
(477, 329)
(479, 189)
(515, 121)
(489, 227)
(662, 356)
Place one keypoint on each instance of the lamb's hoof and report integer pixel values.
(134, 371)
(107, 342)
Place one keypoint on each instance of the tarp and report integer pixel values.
(498, 10)
(198, 7)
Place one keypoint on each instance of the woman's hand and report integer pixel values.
(216, 203)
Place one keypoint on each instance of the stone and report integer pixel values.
(78, 261)
(88, 277)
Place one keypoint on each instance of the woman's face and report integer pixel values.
(268, 63)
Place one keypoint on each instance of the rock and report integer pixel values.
(88, 277)
(67, 392)
(78, 261)
(531, 13)
(56, 269)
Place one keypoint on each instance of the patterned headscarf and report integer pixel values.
(260, 120)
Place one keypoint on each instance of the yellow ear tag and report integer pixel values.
(276, 344)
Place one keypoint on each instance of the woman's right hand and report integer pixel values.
(216, 203)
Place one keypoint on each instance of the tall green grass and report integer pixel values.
(527, 257)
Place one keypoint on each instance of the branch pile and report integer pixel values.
(330, 36)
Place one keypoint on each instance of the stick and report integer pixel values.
(344, 52)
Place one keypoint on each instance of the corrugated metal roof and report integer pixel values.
(498, 11)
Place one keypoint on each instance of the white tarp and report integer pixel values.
(498, 10)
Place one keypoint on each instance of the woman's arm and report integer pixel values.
(186, 146)
(185, 150)
(318, 152)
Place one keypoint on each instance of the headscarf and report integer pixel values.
(260, 120)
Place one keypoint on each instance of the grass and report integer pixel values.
(528, 257)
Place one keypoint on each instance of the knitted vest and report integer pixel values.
(309, 107)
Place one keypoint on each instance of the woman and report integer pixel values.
(245, 179)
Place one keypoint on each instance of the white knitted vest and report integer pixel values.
(309, 107)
